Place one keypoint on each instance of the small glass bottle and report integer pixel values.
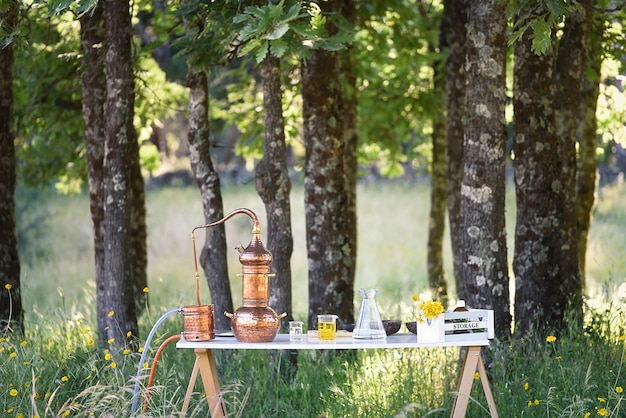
(369, 326)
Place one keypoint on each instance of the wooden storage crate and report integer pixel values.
(473, 324)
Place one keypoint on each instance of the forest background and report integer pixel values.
(317, 93)
(409, 49)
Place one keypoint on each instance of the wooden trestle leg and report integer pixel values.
(473, 361)
(205, 364)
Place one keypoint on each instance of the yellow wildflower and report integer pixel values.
(23, 343)
(621, 338)
(126, 351)
(129, 333)
(550, 338)
(107, 356)
(13, 354)
(526, 386)
(111, 340)
(603, 412)
(13, 392)
(146, 290)
(415, 297)
(602, 400)
(113, 365)
(8, 286)
(65, 379)
(619, 389)
(111, 313)
(90, 341)
(536, 401)
(476, 376)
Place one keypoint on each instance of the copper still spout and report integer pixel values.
(255, 321)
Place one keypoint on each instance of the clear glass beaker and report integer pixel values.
(369, 326)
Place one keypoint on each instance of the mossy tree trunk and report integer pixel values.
(117, 315)
(93, 85)
(274, 187)
(482, 235)
(453, 28)
(547, 91)
(330, 254)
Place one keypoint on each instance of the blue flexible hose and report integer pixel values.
(145, 353)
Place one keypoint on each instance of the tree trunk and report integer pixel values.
(453, 28)
(138, 231)
(571, 63)
(348, 67)
(93, 84)
(274, 187)
(536, 278)
(117, 318)
(11, 312)
(438, 194)
(330, 255)
(587, 179)
(547, 94)
(213, 257)
(482, 238)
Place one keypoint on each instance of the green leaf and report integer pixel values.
(262, 52)
(542, 36)
(279, 48)
(280, 30)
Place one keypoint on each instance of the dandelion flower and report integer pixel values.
(603, 412)
(90, 341)
(23, 343)
(113, 365)
(129, 333)
(13, 354)
(126, 351)
(146, 290)
(8, 286)
(536, 401)
(526, 386)
(111, 313)
(529, 403)
(107, 356)
(140, 350)
(476, 376)
(13, 392)
(111, 340)
(619, 389)
(65, 379)
(601, 400)
(550, 338)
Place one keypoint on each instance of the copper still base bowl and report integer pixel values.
(257, 324)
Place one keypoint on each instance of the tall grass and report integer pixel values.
(57, 370)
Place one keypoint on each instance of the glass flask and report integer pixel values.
(369, 326)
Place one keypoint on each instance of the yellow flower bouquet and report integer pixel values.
(430, 321)
(426, 311)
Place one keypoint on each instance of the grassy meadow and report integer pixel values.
(57, 370)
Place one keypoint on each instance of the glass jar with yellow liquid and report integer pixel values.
(327, 327)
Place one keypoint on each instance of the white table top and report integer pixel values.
(281, 342)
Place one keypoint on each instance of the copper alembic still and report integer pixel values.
(255, 321)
